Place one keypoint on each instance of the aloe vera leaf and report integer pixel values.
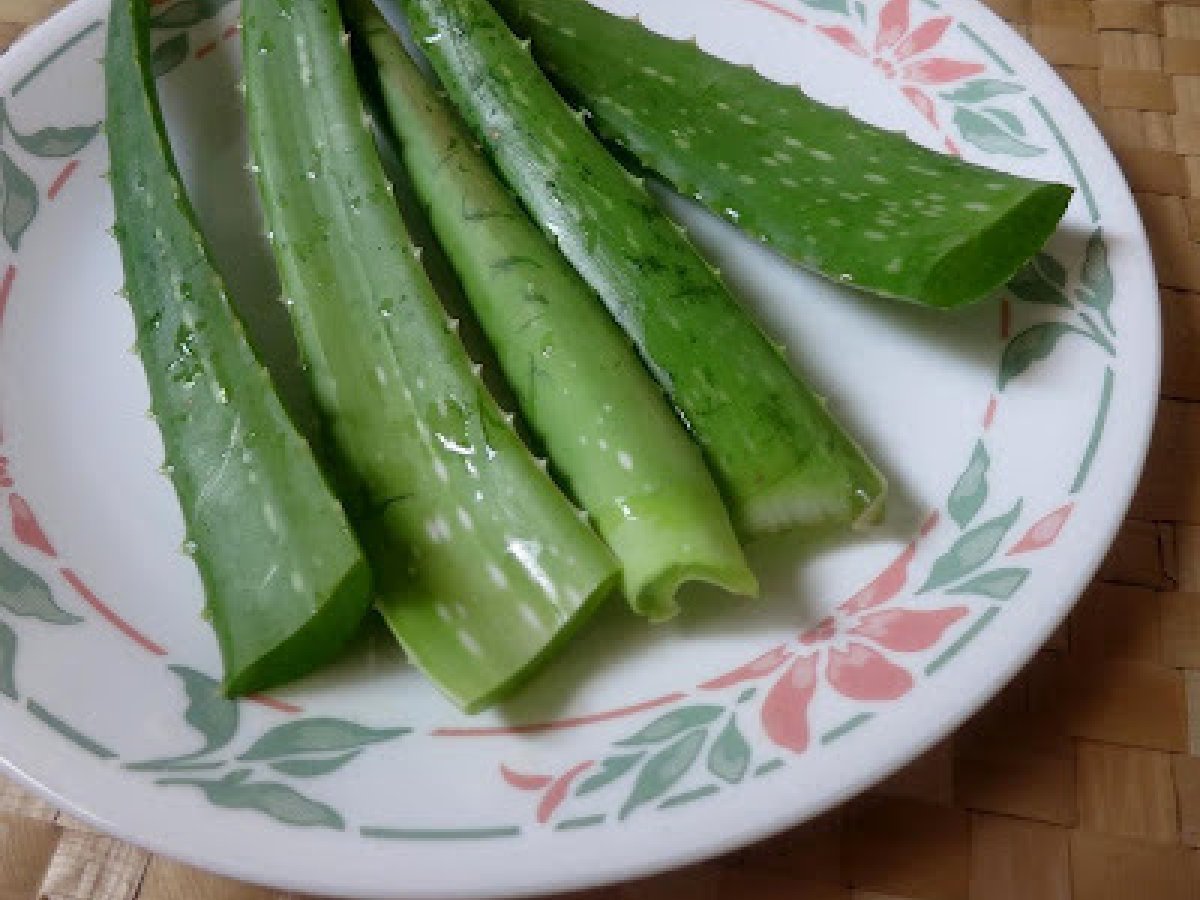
(484, 566)
(858, 204)
(285, 579)
(580, 384)
(778, 456)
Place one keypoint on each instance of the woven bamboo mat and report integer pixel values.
(1082, 780)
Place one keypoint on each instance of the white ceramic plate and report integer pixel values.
(1013, 434)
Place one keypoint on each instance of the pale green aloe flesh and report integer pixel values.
(603, 420)
(285, 580)
(858, 204)
(484, 565)
(778, 456)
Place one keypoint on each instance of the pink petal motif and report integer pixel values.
(939, 70)
(952, 149)
(863, 673)
(559, 790)
(908, 630)
(25, 526)
(523, 782)
(1044, 531)
(893, 24)
(930, 523)
(924, 105)
(823, 631)
(756, 668)
(886, 585)
(844, 38)
(5, 478)
(785, 711)
(922, 38)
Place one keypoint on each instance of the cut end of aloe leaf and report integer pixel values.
(990, 255)
(658, 600)
(318, 641)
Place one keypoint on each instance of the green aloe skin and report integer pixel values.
(858, 204)
(285, 579)
(604, 422)
(484, 566)
(778, 456)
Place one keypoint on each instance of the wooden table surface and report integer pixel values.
(1083, 779)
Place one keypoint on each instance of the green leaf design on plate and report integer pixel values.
(835, 6)
(8, 661)
(729, 755)
(971, 550)
(971, 489)
(20, 204)
(56, 143)
(170, 54)
(982, 89)
(183, 14)
(1032, 345)
(675, 722)
(313, 768)
(611, 768)
(664, 769)
(1035, 284)
(999, 584)
(746, 694)
(1095, 279)
(980, 131)
(317, 735)
(1051, 269)
(280, 802)
(1009, 120)
(24, 593)
(209, 711)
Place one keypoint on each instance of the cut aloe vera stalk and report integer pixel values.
(484, 566)
(580, 384)
(858, 204)
(777, 454)
(286, 582)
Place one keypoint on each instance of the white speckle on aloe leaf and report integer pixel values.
(602, 443)
(299, 583)
(650, 70)
(722, 105)
(271, 518)
(747, 179)
(625, 460)
(828, 180)
(872, 235)
(469, 643)
(976, 206)
(834, 222)
(783, 156)
(723, 166)
(894, 265)
(442, 612)
(747, 119)
(439, 470)
(934, 195)
(682, 143)
(381, 376)
(822, 155)
(437, 529)
(793, 143)
(788, 181)
(530, 617)
(874, 178)
(995, 186)
(496, 576)
(464, 519)
(623, 110)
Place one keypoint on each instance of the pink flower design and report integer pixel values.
(556, 789)
(899, 52)
(852, 650)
